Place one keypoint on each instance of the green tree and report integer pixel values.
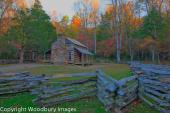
(154, 26)
(17, 34)
(41, 28)
(104, 30)
(32, 30)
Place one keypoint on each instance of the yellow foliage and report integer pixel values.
(21, 4)
(95, 4)
(109, 8)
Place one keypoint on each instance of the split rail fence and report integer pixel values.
(154, 85)
(8, 61)
(11, 83)
(150, 83)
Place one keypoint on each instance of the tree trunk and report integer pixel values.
(44, 56)
(117, 49)
(117, 30)
(139, 54)
(21, 59)
(158, 58)
(95, 41)
(131, 55)
(142, 57)
(153, 55)
(130, 49)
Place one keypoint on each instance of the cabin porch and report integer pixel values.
(80, 57)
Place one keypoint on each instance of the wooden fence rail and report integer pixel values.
(11, 83)
(116, 94)
(127, 91)
(63, 88)
(106, 90)
(156, 92)
(154, 85)
(66, 88)
(151, 83)
(8, 61)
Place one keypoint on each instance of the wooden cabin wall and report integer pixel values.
(77, 57)
(63, 51)
(70, 54)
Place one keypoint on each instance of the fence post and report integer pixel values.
(106, 90)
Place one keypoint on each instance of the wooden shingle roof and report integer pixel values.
(76, 42)
(84, 51)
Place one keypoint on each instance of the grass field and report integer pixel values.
(88, 105)
(117, 71)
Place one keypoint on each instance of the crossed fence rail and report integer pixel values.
(151, 86)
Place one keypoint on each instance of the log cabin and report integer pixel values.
(69, 51)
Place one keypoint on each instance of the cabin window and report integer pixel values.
(69, 55)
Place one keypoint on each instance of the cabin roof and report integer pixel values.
(84, 51)
(76, 42)
(81, 47)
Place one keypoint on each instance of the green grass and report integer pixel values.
(19, 100)
(89, 105)
(117, 71)
(2, 65)
(141, 108)
(56, 70)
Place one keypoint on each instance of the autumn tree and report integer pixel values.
(88, 11)
(32, 30)
(104, 30)
(94, 18)
(83, 10)
(73, 29)
(117, 11)
(6, 11)
(130, 22)
(17, 34)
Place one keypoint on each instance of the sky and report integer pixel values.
(64, 7)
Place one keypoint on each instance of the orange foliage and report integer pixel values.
(5, 25)
(128, 11)
(21, 4)
(95, 4)
(8, 12)
(76, 21)
(109, 8)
